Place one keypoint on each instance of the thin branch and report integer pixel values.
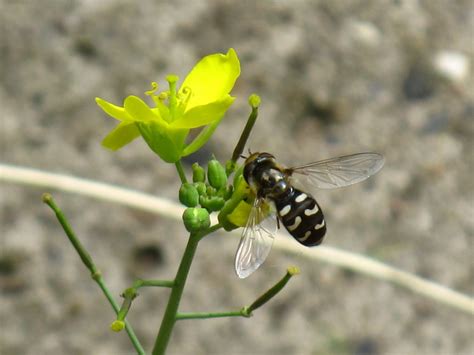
(130, 294)
(273, 291)
(89, 263)
(164, 207)
(207, 315)
(254, 102)
(152, 283)
(245, 311)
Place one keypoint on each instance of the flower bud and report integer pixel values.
(199, 175)
(117, 325)
(228, 192)
(230, 167)
(188, 195)
(212, 204)
(225, 192)
(254, 101)
(200, 187)
(210, 191)
(238, 176)
(196, 219)
(216, 174)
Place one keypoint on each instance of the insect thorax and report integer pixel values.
(265, 177)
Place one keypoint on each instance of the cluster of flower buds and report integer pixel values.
(207, 193)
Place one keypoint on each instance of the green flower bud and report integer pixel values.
(228, 192)
(196, 219)
(188, 195)
(230, 167)
(212, 204)
(203, 200)
(254, 101)
(210, 191)
(199, 175)
(216, 174)
(238, 176)
(201, 188)
(225, 192)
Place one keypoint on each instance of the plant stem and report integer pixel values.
(89, 263)
(131, 293)
(152, 283)
(169, 318)
(205, 315)
(180, 168)
(239, 148)
(267, 296)
(247, 310)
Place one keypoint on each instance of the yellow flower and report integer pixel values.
(201, 101)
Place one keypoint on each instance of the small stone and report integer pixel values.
(452, 65)
(365, 32)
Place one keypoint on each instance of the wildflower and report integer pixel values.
(201, 101)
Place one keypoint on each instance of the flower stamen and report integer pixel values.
(151, 93)
(184, 97)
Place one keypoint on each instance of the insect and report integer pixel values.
(298, 211)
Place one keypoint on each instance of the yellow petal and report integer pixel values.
(203, 115)
(211, 78)
(112, 110)
(140, 111)
(121, 135)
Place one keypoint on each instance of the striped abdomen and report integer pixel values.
(302, 217)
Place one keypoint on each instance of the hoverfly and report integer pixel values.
(298, 211)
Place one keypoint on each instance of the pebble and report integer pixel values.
(365, 32)
(452, 65)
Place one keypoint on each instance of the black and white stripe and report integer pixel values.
(302, 217)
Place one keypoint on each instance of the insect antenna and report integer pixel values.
(245, 157)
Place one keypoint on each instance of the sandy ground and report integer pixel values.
(335, 78)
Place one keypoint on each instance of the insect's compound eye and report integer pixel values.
(263, 157)
(247, 171)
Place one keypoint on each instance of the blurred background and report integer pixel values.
(335, 77)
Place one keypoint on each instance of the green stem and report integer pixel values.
(267, 296)
(239, 148)
(247, 310)
(152, 283)
(89, 263)
(169, 318)
(205, 315)
(128, 296)
(180, 168)
(131, 293)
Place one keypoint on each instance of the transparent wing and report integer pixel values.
(256, 242)
(341, 171)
